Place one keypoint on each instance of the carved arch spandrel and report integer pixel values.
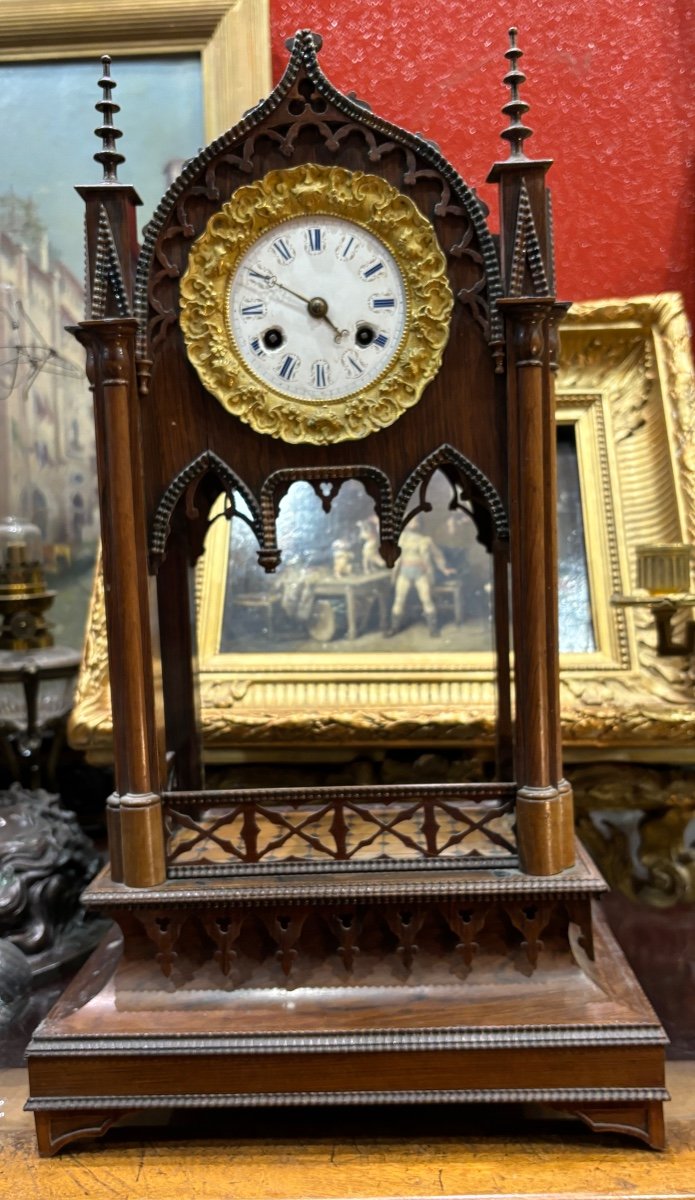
(476, 488)
(486, 507)
(187, 483)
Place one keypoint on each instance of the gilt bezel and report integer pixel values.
(365, 200)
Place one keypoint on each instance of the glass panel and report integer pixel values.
(576, 622)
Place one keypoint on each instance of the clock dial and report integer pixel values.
(316, 304)
(317, 307)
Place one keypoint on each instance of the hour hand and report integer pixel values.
(318, 308)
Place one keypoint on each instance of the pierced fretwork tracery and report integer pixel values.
(329, 826)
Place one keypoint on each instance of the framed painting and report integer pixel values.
(312, 658)
(165, 54)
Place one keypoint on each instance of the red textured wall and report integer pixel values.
(609, 84)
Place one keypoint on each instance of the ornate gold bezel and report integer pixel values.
(366, 200)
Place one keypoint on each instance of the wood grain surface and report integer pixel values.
(340, 1155)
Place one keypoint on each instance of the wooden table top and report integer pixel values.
(307, 1155)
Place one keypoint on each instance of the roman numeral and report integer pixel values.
(346, 247)
(287, 368)
(381, 340)
(383, 302)
(370, 272)
(355, 365)
(256, 346)
(253, 310)
(282, 249)
(320, 374)
(258, 275)
(315, 239)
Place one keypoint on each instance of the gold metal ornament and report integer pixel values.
(364, 200)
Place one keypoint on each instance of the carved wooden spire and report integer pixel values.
(515, 108)
(108, 156)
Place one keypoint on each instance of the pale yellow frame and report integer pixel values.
(223, 33)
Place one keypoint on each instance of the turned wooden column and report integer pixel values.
(138, 756)
(542, 807)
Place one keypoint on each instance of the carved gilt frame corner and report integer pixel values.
(626, 384)
(221, 31)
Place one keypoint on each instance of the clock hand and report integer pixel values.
(317, 306)
(319, 309)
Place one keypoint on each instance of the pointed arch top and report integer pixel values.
(477, 488)
(208, 463)
(304, 83)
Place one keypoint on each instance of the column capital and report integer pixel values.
(110, 345)
(527, 318)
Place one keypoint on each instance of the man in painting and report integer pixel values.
(419, 561)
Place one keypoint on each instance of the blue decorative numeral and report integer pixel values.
(315, 239)
(287, 368)
(256, 347)
(381, 340)
(320, 374)
(282, 249)
(355, 365)
(253, 310)
(258, 275)
(370, 272)
(383, 302)
(346, 247)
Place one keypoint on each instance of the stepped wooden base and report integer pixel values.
(573, 1034)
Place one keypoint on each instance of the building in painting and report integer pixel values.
(47, 456)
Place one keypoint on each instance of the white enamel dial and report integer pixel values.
(317, 307)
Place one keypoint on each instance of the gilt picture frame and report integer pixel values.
(626, 392)
(217, 30)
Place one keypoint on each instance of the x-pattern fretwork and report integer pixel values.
(339, 829)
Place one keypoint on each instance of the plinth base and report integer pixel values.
(575, 1036)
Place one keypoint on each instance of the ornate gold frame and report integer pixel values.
(626, 382)
(219, 30)
(366, 200)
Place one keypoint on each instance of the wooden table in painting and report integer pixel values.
(267, 604)
(359, 594)
(449, 596)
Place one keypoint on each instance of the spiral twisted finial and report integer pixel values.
(515, 108)
(108, 156)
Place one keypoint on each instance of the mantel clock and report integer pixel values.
(318, 298)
